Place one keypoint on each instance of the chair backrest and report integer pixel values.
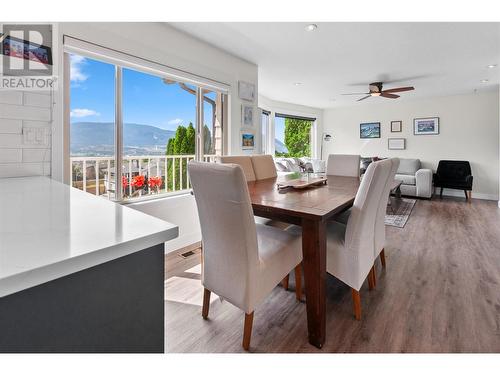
(343, 165)
(263, 166)
(382, 208)
(229, 236)
(244, 161)
(360, 231)
(453, 170)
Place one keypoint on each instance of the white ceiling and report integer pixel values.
(436, 58)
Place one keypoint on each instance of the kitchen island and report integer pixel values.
(78, 273)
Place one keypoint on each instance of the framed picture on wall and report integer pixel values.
(426, 126)
(396, 143)
(247, 141)
(246, 91)
(247, 112)
(396, 126)
(369, 130)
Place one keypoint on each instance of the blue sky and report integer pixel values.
(279, 128)
(146, 99)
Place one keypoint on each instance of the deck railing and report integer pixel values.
(162, 174)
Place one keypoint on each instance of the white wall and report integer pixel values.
(469, 130)
(22, 113)
(274, 107)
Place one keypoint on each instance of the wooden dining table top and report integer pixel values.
(315, 203)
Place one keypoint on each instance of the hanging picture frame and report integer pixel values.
(426, 126)
(396, 126)
(247, 116)
(246, 91)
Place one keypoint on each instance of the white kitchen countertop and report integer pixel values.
(49, 230)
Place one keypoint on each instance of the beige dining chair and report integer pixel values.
(243, 261)
(343, 165)
(264, 167)
(381, 212)
(350, 248)
(244, 161)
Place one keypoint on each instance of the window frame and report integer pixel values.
(120, 61)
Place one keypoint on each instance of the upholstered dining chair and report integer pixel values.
(350, 248)
(244, 161)
(243, 261)
(264, 167)
(343, 165)
(380, 223)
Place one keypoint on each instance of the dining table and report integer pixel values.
(311, 208)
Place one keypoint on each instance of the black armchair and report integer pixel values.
(454, 174)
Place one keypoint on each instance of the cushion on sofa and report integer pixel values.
(408, 166)
(406, 178)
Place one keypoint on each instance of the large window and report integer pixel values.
(132, 133)
(292, 135)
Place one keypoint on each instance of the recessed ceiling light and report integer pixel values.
(491, 66)
(311, 27)
(298, 83)
(484, 81)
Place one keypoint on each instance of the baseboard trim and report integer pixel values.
(461, 194)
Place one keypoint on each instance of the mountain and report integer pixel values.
(280, 146)
(97, 138)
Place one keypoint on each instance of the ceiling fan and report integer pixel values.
(375, 89)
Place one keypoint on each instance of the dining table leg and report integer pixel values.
(314, 260)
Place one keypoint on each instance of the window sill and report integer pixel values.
(150, 198)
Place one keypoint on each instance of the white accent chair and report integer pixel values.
(380, 223)
(343, 165)
(242, 261)
(350, 248)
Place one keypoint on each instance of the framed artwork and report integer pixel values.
(396, 126)
(247, 115)
(246, 91)
(369, 130)
(247, 141)
(396, 143)
(427, 125)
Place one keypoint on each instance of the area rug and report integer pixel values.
(401, 213)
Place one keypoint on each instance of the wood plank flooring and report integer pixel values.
(439, 293)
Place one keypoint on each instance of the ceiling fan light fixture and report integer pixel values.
(491, 66)
(375, 94)
(484, 81)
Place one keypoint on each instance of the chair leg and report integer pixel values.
(469, 194)
(382, 257)
(285, 282)
(356, 300)
(441, 193)
(206, 303)
(372, 283)
(466, 195)
(298, 282)
(247, 330)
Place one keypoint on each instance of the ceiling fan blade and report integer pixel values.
(400, 89)
(363, 98)
(390, 96)
(357, 93)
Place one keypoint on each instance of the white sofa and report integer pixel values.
(287, 165)
(417, 181)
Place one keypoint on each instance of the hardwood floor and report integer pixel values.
(439, 293)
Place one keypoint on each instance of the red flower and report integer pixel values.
(154, 181)
(124, 181)
(138, 181)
